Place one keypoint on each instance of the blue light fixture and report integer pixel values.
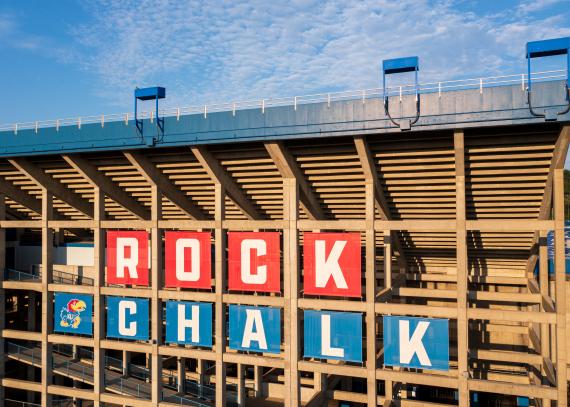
(142, 94)
(395, 66)
(546, 48)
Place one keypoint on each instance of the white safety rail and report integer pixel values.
(294, 101)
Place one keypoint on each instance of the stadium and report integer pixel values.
(398, 246)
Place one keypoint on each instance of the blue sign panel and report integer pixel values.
(73, 313)
(421, 343)
(127, 318)
(333, 335)
(189, 323)
(550, 246)
(255, 328)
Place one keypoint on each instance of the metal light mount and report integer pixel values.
(401, 65)
(155, 93)
(546, 48)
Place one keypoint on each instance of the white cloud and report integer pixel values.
(226, 50)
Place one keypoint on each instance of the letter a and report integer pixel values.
(327, 267)
(184, 323)
(131, 329)
(326, 348)
(414, 345)
(253, 319)
(131, 262)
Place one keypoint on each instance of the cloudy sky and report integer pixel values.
(68, 58)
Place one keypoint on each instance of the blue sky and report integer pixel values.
(68, 58)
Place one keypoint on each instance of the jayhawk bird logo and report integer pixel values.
(70, 315)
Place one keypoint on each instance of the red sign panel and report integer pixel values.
(127, 257)
(188, 259)
(332, 264)
(254, 261)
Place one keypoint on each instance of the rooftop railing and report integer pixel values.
(294, 101)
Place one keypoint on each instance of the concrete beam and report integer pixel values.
(98, 179)
(57, 189)
(288, 168)
(154, 176)
(220, 176)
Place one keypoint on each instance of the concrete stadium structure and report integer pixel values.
(453, 218)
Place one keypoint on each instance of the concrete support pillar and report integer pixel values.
(181, 373)
(543, 284)
(258, 380)
(220, 276)
(2, 293)
(462, 269)
(156, 303)
(560, 288)
(291, 290)
(201, 370)
(388, 384)
(241, 396)
(370, 278)
(47, 297)
(126, 363)
(98, 300)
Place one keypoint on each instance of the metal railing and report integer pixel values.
(63, 277)
(77, 370)
(182, 401)
(25, 353)
(294, 101)
(18, 403)
(16, 275)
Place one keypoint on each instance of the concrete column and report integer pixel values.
(181, 370)
(291, 290)
(47, 297)
(388, 384)
(258, 380)
(241, 385)
(98, 300)
(543, 284)
(126, 363)
(2, 293)
(560, 288)
(462, 269)
(220, 276)
(370, 279)
(156, 304)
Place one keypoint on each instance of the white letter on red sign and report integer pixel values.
(332, 264)
(254, 261)
(130, 263)
(187, 259)
(247, 246)
(325, 267)
(127, 257)
(194, 273)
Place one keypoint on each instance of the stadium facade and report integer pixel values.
(312, 251)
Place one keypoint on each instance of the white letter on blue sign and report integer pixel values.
(125, 330)
(414, 345)
(184, 323)
(326, 347)
(253, 318)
